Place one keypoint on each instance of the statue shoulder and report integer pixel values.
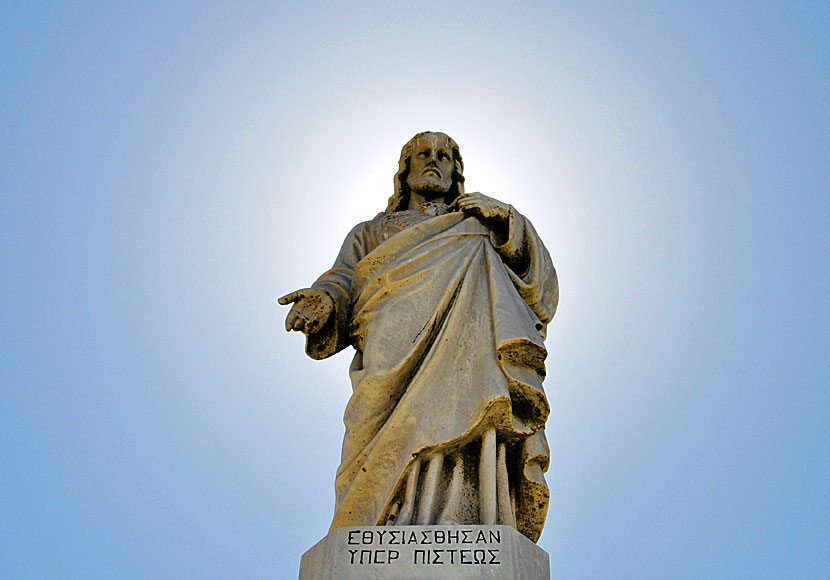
(376, 228)
(366, 226)
(363, 237)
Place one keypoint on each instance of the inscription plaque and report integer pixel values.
(431, 552)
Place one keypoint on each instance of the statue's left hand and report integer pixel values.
(483, 207)
(492, 213)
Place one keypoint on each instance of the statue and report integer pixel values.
(445, 297)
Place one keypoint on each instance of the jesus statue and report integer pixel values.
(445, 297)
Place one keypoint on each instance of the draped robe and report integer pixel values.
(448, 323)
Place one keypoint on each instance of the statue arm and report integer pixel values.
(512, 241)
(522, 251)
(505, 224)
(531, 269)
(336, 283)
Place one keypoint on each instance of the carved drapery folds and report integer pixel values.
(446, 421)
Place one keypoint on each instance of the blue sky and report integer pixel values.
(168, 169)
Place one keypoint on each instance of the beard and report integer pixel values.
(429, 185)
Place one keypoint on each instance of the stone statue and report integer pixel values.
(445, 297)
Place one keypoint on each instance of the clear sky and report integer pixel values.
(167, 169)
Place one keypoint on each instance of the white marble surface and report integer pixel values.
(425, 552)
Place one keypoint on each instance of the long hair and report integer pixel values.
(400, 199)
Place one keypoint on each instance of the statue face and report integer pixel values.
(431, 165)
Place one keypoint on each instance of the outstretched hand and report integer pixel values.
(312, 308)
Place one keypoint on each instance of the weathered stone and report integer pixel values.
(445, 297)
(425, 552)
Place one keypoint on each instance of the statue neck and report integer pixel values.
(421, 200)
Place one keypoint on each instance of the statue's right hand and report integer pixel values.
(312, 308)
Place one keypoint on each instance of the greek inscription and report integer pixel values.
(370, 555)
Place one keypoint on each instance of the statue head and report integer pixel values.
(400, 199)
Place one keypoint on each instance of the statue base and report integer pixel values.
(427, 552)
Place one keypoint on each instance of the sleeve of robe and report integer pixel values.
(530, 267)
(337, 282)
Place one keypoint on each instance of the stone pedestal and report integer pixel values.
(425, 552)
